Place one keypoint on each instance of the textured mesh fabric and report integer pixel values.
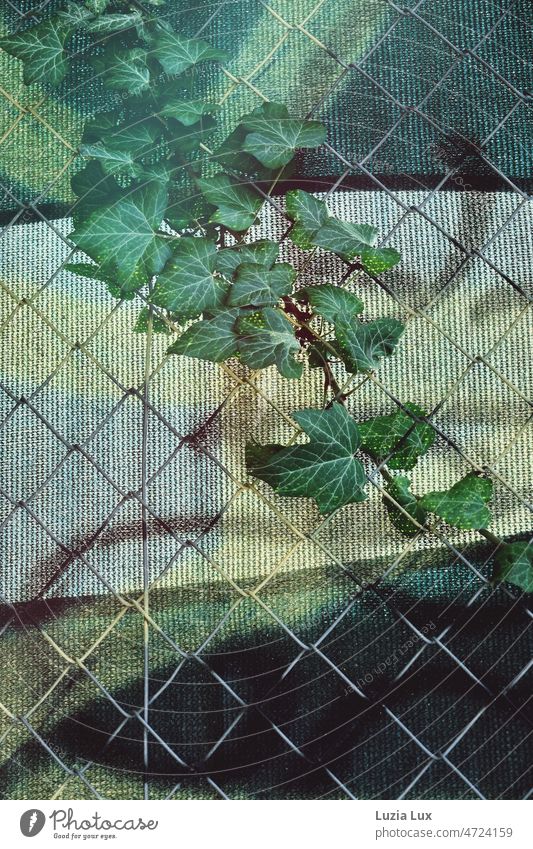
(284, 655)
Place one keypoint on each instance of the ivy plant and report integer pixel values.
(164, 214)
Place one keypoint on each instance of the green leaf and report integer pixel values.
(258, 286)
(97, 6)
(122, 237)
(122, 147)
(363, 345)
(325, 469)
(105, 24)
(185, 139)
(263, 252)
(344, 238)
(399, 490)
(187, 112)
(237, 204)
(398, 438)
(513, 563)
(176, 54)
(267, 338)
(308, 215)
(42, 50)
(124, 70)
(94, 189)
(72, 16)
(274, 137)
(142, 323)
(319, 354)
(187, 285)
(464, 505)
(85, 269)
(332, 302)
(230, 154)
(377, 260)
(213, 339)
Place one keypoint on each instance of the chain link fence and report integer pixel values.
(172, 629)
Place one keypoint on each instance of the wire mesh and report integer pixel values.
(450, 717)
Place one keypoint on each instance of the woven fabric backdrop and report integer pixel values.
(243, 646)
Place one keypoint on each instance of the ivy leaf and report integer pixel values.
(464, 505)
(398, 438)
(318, 354)
(124, 145)
(122, 237)
(97, 6)
(106, 24)
(266, 338)
(364, 344)
(237, 204)
(230, 154)
(124, 70)
(308, 215)
(187, 112)
(42, 50)
(94, 189)
(344, 238)
(263, 252)
(185, 139)
(332, 302)
(513, 563)
(274, 137)
(176, 54)
(378, 260)
(73, 16)
(399, 490)
(187, 285)
(325, 469)
(257, 286)
(142, 323)
(125, 290)
(213, 339)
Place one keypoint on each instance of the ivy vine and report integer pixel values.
(156, 207)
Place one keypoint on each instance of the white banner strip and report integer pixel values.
(256, 825)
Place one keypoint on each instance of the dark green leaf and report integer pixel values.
(325, 469)
(213, 339)
(94, 189)
(237, 204)
(398, 439)
(42, 50)
(399, 490)
(514, 563)
(258, 286)
(319, 354)
(187, 285)
(122, 237)
(344, 238)
(464, 505)
(273, 138)
(308, 215)
(72, 16)
(121, 147)
(176, 53)
(267, 338)
(124, 70)
(332, 302)
(262, 252)
(105, 24)
(230, 154)
(187, 112)
(363, 345)
(186, 139)
(377, 260)
(142, 323)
